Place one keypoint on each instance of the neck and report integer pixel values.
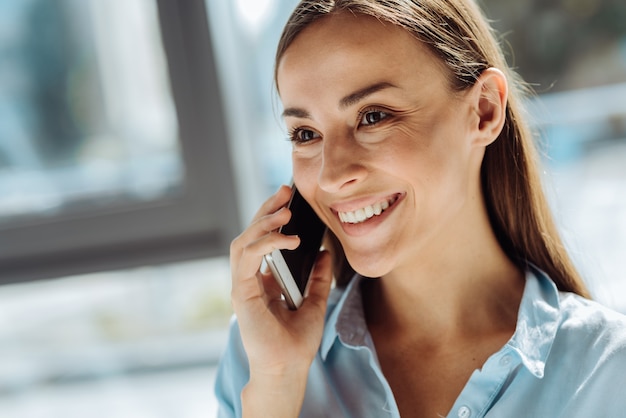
(462, 287)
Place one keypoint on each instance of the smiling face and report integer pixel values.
(383, 149)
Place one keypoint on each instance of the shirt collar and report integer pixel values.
(345, 317)
(537, 322)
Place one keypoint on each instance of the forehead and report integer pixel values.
(350, 49)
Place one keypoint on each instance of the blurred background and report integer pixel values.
(138, 137)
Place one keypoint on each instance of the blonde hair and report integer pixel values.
(457, 32)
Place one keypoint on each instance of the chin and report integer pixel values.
(369, 266)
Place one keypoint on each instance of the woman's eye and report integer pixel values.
(373, 117)
(303, 135)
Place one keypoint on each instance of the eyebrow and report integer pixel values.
(349, 100)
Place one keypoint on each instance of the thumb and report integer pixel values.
(320, 280)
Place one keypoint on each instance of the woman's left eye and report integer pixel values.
(372, 117)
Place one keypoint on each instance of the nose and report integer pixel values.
(343, 163)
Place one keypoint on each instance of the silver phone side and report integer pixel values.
(279, 269)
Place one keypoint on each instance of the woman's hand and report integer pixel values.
(280, 343)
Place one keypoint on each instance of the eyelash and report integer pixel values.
(370, 111)
(295, 132)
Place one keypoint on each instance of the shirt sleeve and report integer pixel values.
(589, 361)
(602, 390)
(232, 375)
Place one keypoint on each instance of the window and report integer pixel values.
(581, 116)
(139, 136)
(115, 158)
(112, 143)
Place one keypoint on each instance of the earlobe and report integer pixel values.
(490, 105)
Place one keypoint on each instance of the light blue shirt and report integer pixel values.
(567, 358)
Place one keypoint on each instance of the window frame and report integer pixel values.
(200, 221)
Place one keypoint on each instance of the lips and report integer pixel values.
(363, 214)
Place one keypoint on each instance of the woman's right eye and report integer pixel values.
(300, 135)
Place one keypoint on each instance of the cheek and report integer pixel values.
(306, 164)
(433, 158)
(305, 173)
(414, 151)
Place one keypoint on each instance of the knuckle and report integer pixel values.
(235, 244)
(272, 221)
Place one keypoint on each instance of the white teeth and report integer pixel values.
(378, 208)
(360, 215)
(363, 214)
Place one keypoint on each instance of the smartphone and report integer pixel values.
(292, 268)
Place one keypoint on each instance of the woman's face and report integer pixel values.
(382, 146)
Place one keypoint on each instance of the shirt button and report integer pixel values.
(505, 360)
(464, 412)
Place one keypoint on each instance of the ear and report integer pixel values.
(489, 104)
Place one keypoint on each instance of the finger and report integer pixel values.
(264, 224)
(274, 203)
(271, 287)
(252, 255)
(260, 228)
(272, 215)
(260, 238)
(265, 291)
(320, 281)
(245, 281)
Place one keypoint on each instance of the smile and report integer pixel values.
(368, 212)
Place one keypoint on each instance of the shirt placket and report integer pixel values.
(485, 385)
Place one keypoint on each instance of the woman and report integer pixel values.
(464, 302)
